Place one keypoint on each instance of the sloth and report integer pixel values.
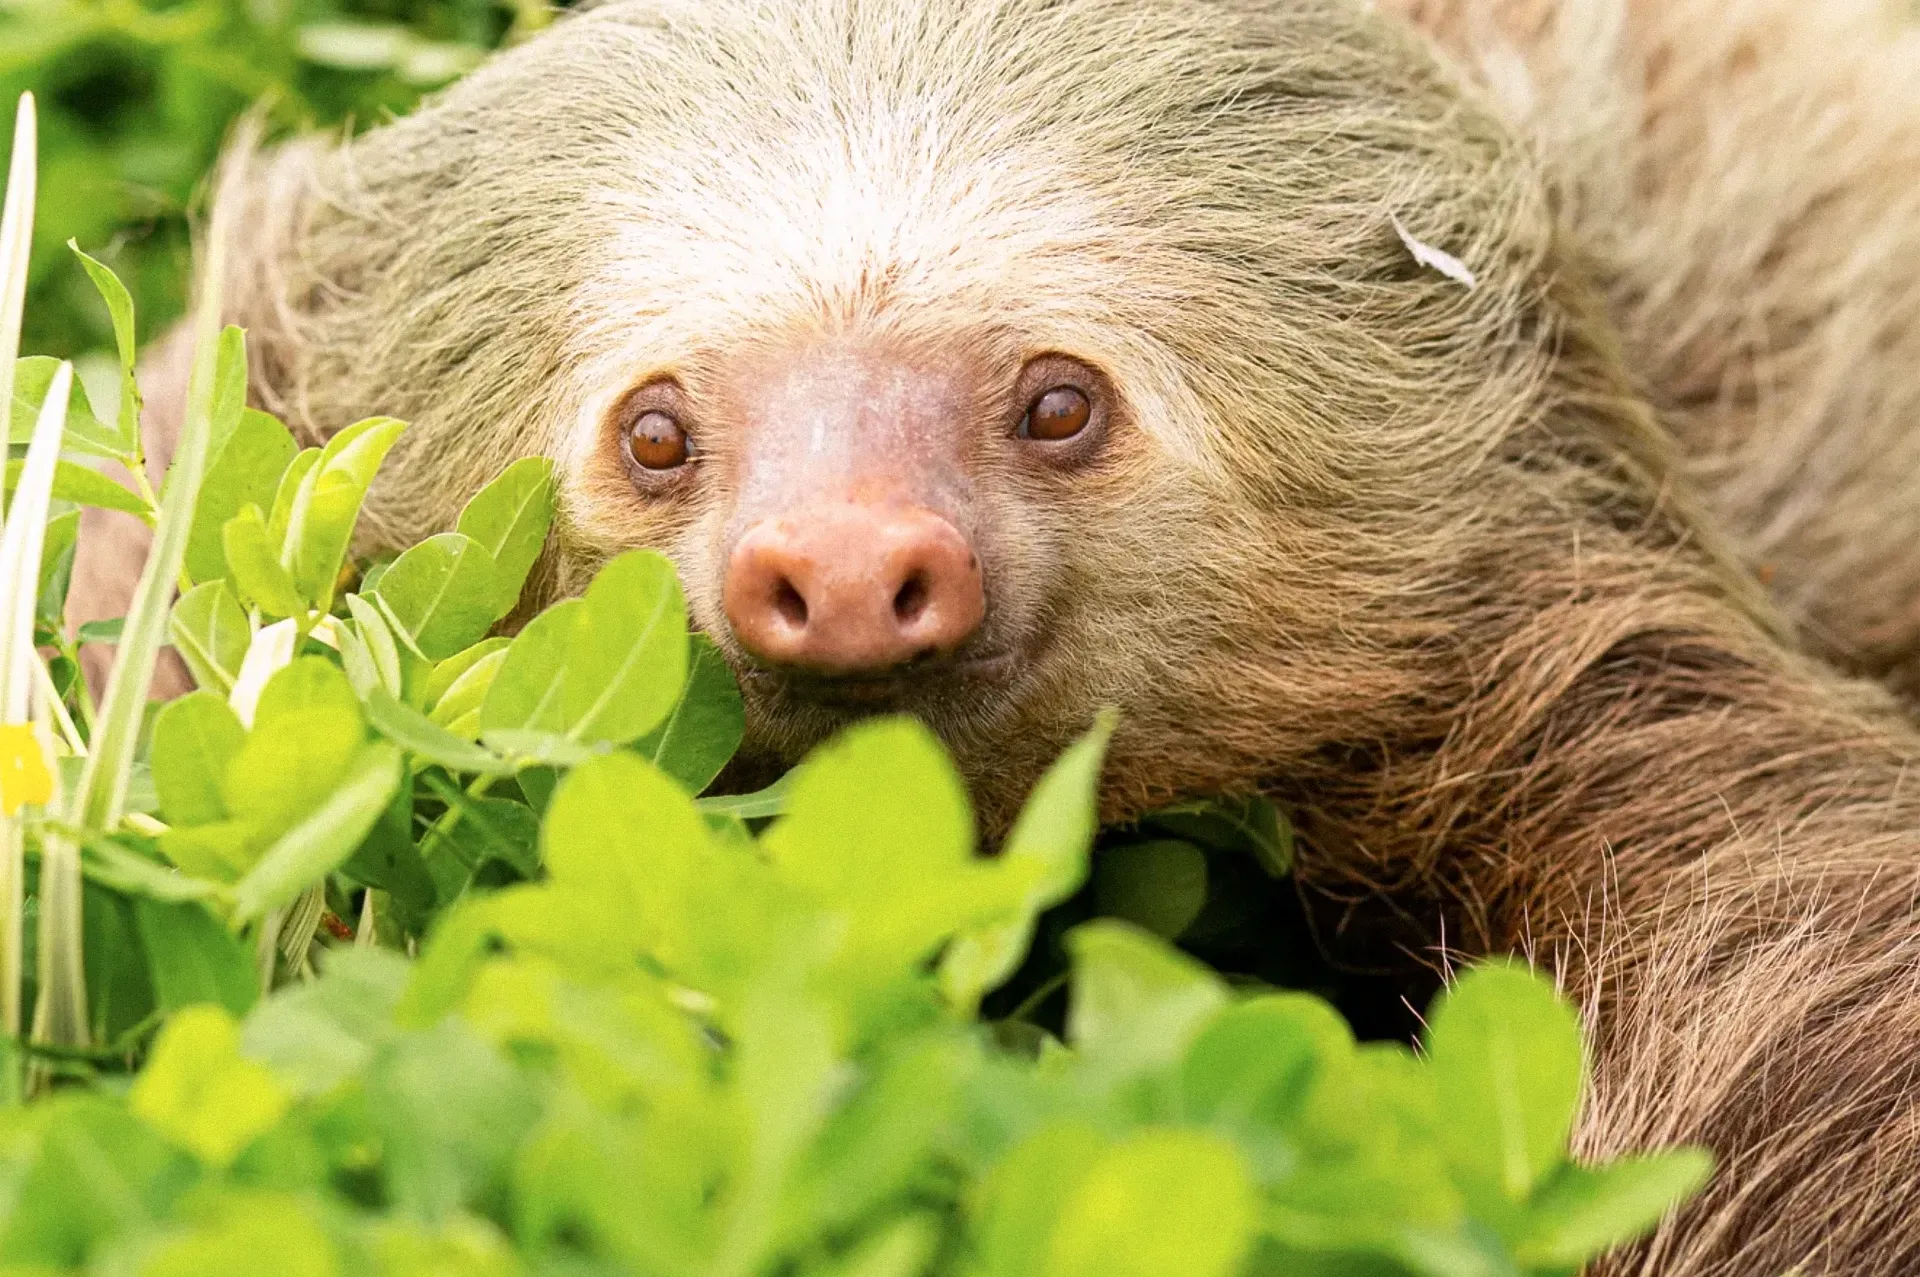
(1489, 428)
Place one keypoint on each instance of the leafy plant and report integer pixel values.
(138, 95)
(403, 947)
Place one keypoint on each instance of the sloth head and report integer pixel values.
(987, 360)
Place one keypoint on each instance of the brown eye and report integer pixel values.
(1060, 413)
(657, 442)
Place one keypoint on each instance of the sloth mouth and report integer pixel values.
(936, 680)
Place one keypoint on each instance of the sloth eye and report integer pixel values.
(656, 441)
(1059, 413)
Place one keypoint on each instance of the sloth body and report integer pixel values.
(1418, 559)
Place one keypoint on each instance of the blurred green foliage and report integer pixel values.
(136, 97)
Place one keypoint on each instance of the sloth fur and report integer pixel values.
(1421, 561)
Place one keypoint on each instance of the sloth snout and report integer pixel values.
(853, 588)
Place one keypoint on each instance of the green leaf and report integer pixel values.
(56, 570)
(83, 432)
(292, 480)
(129, 873)
(451, 1112)
(321, 842)
(1581, 1212)
(904, 1248)
(256, 567)
(759, 805)
(457, 706)
(302, 742)
(307, 730)
(1027, 1192)
(1136, 1002)
(368, 651)
(1247, 824)
(210, 631)
(107, 631)
(524, 692)
(118, 987)
(1052, 835)
(307, 684)
(439, 595)
(1255, 1059)
(420, 736)
(198, 1091)
(881, 1135)
(97, 1175)
(325, 507)
(232, 1231)
(193, 958)
(219, 852)
(621, 834)
(603, 668)
(628, 657)
(706, 723)
(548, 749)
(317, 1034)
(244, 470)
(1506, 1060)
(878, 828)
(1159, 886)
(120, 311)
(84, 485)
(1164, 1203)
(389, 861)
(445, 674)
(195, 739)
(489, 831)
(509, 518)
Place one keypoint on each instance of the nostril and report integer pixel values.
(790, 604)
(911, 600)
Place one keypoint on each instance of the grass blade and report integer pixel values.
(61, 1016)
(16, 240)
(219, 359)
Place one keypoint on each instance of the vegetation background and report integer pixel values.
(136, 97)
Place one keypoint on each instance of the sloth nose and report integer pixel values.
(849, 588)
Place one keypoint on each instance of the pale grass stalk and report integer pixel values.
(62, 1013)
(57, 713)
(16, 240)
(101, 800)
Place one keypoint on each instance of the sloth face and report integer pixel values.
(959, 387)
(868, 522)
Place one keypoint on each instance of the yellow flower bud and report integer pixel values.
(24, 775)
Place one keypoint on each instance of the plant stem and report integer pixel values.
(82, 697)
(57, 708)
(268, 951)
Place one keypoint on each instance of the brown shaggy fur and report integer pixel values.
(1749, 173)
(1415, 558)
